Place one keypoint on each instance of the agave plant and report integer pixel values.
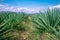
(48, 22)
(5, 27)
(9, 23)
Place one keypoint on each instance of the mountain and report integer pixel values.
(18, 9)
(26, 10)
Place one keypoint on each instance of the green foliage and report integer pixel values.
(21, 26)
(8, 22)
(48, 22)
(5, 27)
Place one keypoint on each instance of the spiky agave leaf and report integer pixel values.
(5, 28)
(18, 18)
(9, 23)
(48, 21)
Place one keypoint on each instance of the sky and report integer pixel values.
(30, 3)
(35, 4)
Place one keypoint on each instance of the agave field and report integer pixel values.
(22, 26)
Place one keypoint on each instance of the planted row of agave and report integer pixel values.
(47, 22)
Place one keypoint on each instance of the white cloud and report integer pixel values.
(25, 9)
(57, 6)
(19, 9)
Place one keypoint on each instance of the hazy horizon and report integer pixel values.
(28, 5)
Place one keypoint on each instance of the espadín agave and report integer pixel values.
(9, 22)
(48, 22)
(5, 27)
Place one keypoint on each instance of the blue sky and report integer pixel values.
(30, 3)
